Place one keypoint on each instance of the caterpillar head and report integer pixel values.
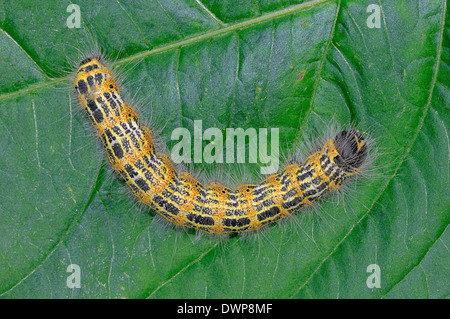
(92, 76)
(352, 150)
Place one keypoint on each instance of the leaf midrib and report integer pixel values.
(173, 45)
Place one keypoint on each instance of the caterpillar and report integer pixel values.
(183, 200)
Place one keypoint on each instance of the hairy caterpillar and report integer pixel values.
(179, 197)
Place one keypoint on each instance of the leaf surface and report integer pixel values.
(244, 64)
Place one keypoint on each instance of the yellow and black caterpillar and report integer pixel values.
(183, 200)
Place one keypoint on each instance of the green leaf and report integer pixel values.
(296, 66)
